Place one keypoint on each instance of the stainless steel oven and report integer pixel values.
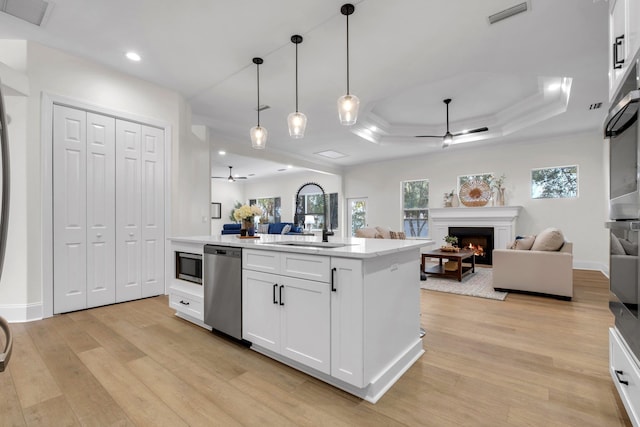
(189, 267)
(624, 207)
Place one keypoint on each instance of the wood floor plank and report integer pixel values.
(10, 409)
(90, 402)
(33, 381)
(180, 396)
(55, 411)
(142, 406)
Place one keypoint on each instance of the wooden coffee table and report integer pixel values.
(461, 270)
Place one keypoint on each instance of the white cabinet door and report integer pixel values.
(306, 320)
(100, 210)
(260, 309)
(128, 218)
(347, 321)
(618, 43)
(152, 211)
(69, 209)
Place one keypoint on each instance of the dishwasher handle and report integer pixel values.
(223, 251)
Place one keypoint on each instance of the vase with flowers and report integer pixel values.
(497, 188)
(246, 215)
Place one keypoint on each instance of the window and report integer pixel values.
(313, 207)
(415, 208)
(554, 183)
(270, 209)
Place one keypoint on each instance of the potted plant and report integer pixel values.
(246, 214)
(451, 241)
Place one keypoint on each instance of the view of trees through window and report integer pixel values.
(483, 177)
(270, 209)
(358, 215)
(556, 182)
(415, 207)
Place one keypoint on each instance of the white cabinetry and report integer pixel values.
(286, 314)
(186, 297)
(347, 317)
(625, 372)
(624, 39)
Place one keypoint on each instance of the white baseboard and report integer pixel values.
(18, 313)
(591, 265)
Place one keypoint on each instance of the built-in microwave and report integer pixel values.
(189, 267)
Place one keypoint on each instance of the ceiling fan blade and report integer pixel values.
(239, 177)
(429, 136)
(483, 129)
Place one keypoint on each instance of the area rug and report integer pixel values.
(478, 284)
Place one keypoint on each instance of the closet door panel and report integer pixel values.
(152, 211)
(69, 209)
(100, 210)
(128, 207)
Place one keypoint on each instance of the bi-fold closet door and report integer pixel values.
(108, 213)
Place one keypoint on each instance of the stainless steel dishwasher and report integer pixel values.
(222, 267)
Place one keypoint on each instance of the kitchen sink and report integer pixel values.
(328, 245)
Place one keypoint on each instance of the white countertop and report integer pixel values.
(355, 247)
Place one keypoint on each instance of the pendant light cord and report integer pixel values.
(258, 84)
(347, 54)
(296, 77)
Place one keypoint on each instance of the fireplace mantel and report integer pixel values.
(501, 218)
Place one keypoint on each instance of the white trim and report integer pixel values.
(46, 138)
(17, 313)
(591, 265)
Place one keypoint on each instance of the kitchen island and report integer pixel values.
(346, 312)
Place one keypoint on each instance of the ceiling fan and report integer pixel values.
(230, 178)
(448, 136)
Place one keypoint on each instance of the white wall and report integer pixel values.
(227, 194)
(581, 219)
(57, 73)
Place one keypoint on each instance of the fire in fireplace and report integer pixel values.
(479, 239)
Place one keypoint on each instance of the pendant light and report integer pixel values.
(348, 104)
(258, 133)
(297, 121)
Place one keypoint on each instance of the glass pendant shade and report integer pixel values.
(258, 137)
(297, 123)
(348, 109)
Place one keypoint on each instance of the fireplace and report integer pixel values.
(479, 239)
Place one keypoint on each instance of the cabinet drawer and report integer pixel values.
(187, 304)
(266, 261)
(625, 370)
(303, 266)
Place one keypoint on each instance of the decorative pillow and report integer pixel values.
(384, 232)
(378, 236)
(550, 239)
(630, 248)
(366, 232)
(286, 229)
(524, 243)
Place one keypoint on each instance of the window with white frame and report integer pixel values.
(415, 208)
(559, 182)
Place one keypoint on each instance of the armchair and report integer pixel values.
(546, 273)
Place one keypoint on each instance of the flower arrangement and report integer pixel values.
(497, 183)
(246, 212)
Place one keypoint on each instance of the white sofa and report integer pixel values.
(548, 273)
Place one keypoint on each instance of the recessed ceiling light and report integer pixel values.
(289, 166)
(554, 86)
(222, 152)
(132, 56)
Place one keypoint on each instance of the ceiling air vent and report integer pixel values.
(33, 11)
(595, 106)
(508, 13)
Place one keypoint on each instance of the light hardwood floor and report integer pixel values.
(523, 361)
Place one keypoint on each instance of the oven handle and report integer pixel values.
(612, 127)
(623, 225)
